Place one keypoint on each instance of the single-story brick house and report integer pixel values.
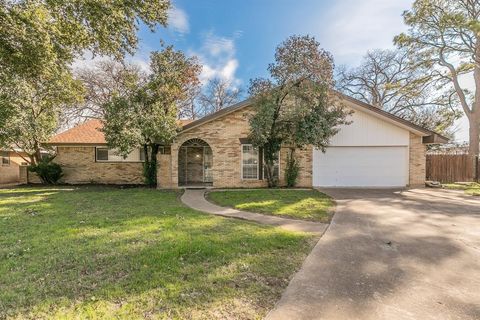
(10, 162)
(377, 149)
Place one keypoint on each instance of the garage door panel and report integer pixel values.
(361, 167)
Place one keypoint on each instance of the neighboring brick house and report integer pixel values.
(10, 162)
(377, 150)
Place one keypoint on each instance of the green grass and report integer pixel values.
(309, 205)
(104, 253)
(470, 188)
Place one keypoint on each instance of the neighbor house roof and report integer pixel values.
(12, 149)
(88, 133)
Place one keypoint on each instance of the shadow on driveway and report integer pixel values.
(392, 254)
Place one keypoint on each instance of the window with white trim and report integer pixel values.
(249, 162)
(5, 158)
(104, 154)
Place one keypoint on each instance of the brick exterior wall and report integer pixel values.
(32, 177)
(23, 177)
(11, 173)
(79, 166)
(417, 161)
(164, 172)
(305, 160)
(223, 135)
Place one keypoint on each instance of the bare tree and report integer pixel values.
(446, 34)
(103, 80)
(395, 81)
(188, 108)
(219, 93)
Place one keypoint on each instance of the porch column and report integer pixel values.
(164, 172)
(174, 164)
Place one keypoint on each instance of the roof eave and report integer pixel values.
(435, 139)
(75, 144)
(216, 115)
(365, 107)
(355, 103)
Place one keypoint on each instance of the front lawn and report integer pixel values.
(104, 253)
(470, 188)
(289, 203)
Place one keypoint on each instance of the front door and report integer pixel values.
(194, 165)
(195, 162)
(207, 165)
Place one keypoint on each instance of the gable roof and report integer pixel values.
(87, 133)
(218, 114)
(428, 135)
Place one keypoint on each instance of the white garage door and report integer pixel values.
(361, 167)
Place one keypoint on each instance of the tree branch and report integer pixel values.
(456, 83)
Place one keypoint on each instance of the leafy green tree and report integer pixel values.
(294, 107)
(446, 35)
(147, 117)
(38, 34)
(400, 83)
(30, 109)
(39, 40)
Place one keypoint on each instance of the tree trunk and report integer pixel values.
(37, 156)
(269, 171)
(269, 155)
(474, 116)
(474, 133)
(150, 165)
(292, 169)
(145, 152)
(32, 159)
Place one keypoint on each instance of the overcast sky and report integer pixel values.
(236, 40)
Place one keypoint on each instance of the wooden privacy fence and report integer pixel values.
(452, 168)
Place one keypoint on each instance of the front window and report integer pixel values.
(104, 154)
(5, 158)
(249, 162)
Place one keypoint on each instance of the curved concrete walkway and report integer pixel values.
(195, 199)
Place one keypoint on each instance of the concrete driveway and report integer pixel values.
(389, 254)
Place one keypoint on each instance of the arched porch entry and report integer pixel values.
(195, 162)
